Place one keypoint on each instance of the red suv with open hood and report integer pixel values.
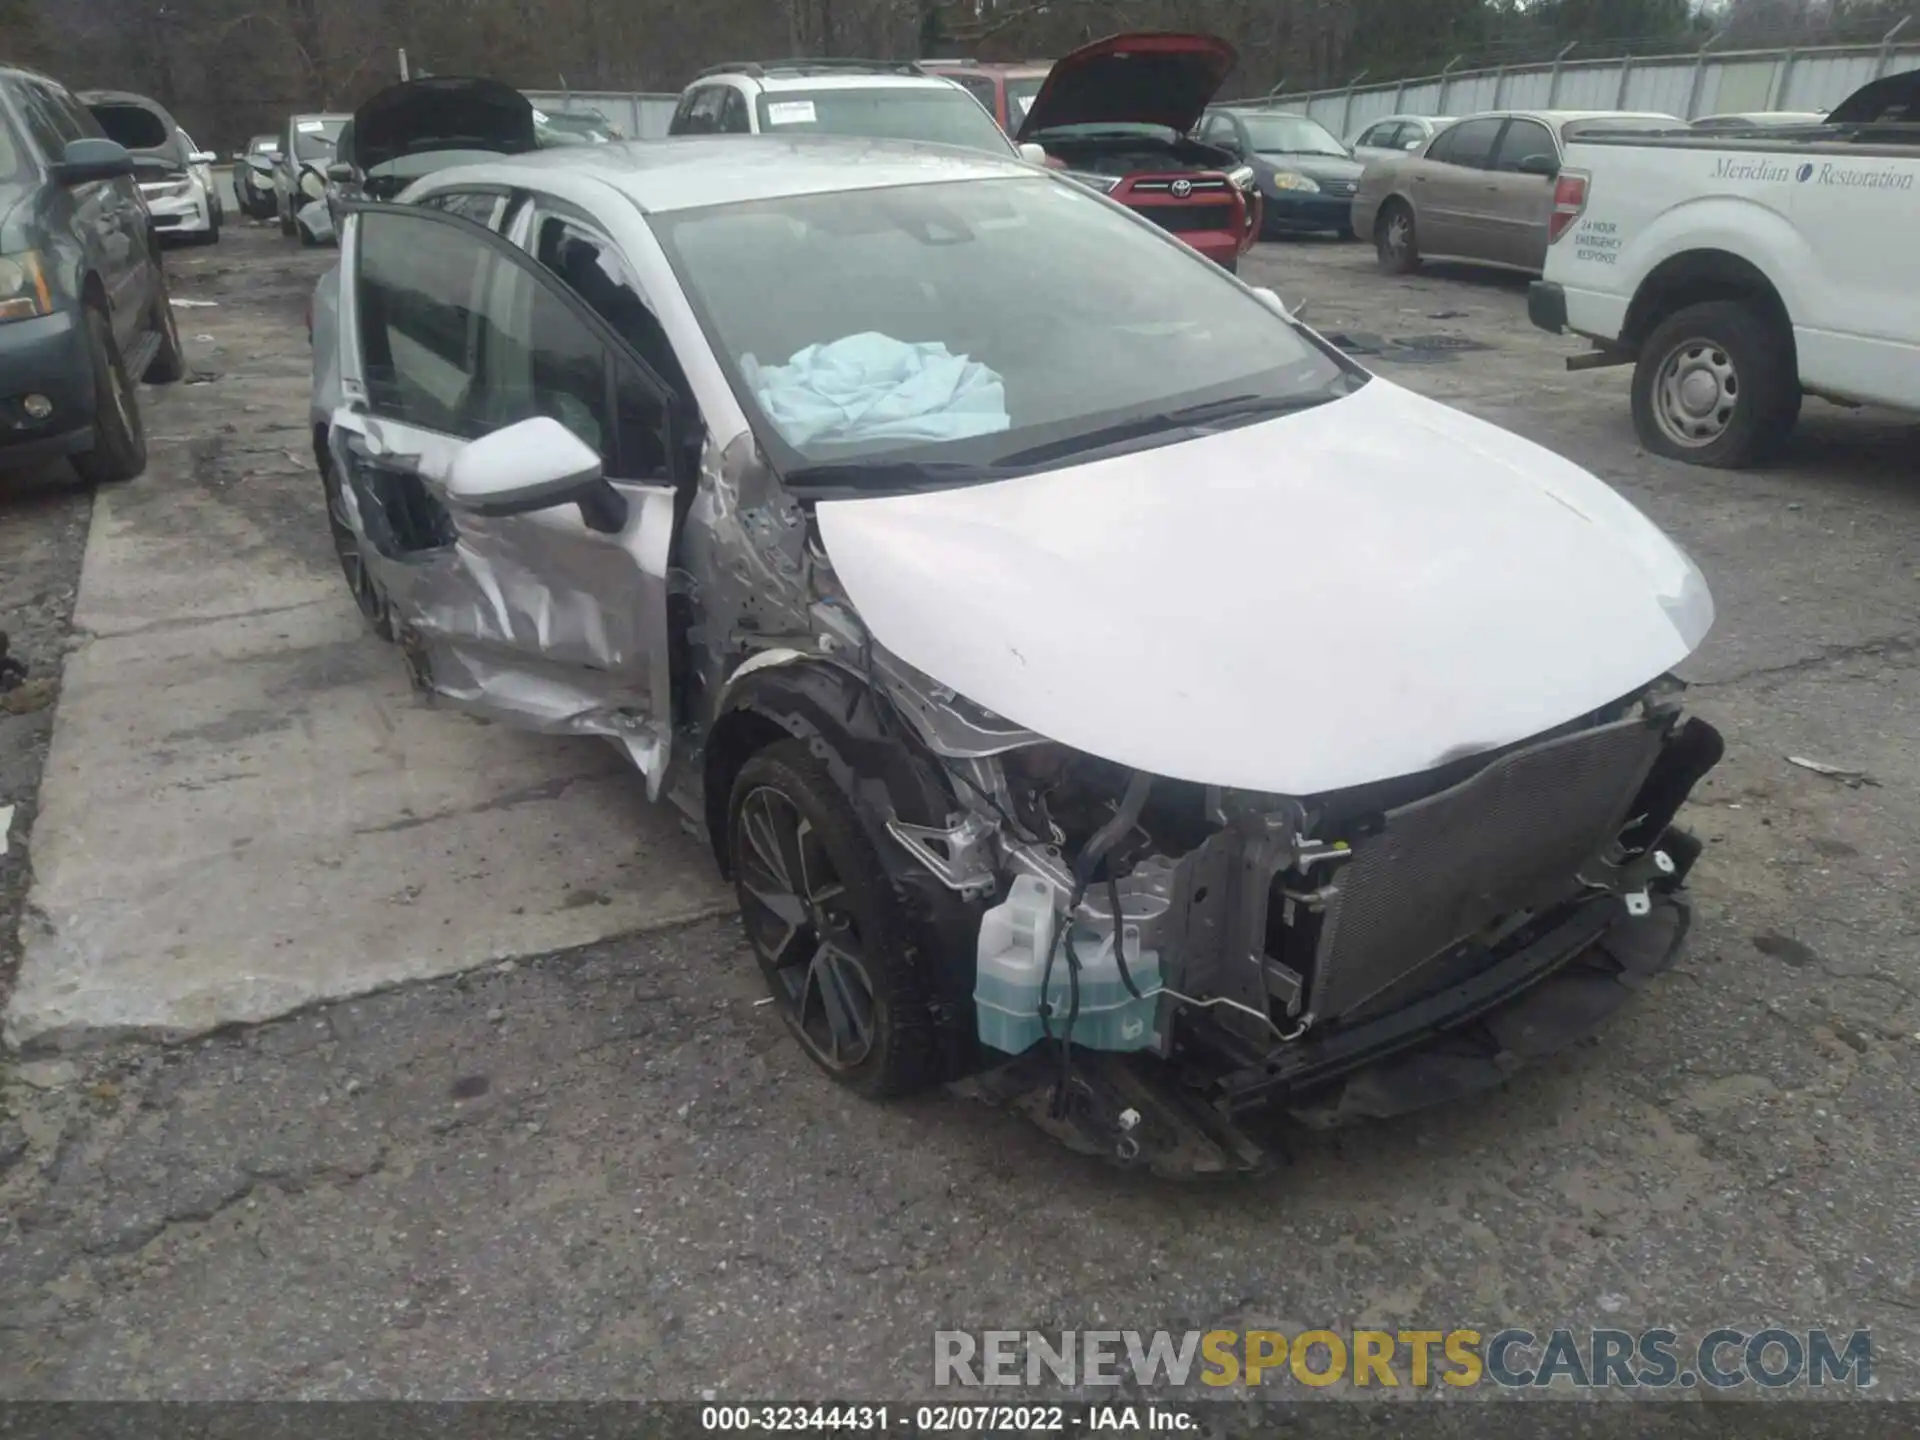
(1117, 113)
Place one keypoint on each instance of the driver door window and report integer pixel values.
(460, 336)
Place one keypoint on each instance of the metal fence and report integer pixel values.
(636, 116)
(1705, 82)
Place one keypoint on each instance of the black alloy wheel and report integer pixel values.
(825, 926)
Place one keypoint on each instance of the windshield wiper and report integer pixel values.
(1243, 409)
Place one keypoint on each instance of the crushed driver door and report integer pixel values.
(448, 333)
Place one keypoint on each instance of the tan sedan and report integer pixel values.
(1480, 190)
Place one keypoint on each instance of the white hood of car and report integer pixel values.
(1353, 593)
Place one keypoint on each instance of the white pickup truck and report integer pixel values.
(1739, 270)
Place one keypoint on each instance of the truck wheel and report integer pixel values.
(1715, 385)
(826, 927)
(1396, 240)
(119, 440)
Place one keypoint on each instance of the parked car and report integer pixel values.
(418, 126)
(1738, 273)
(177, 181)
(1119, 115)
(1392, 135)
(1305, 177)
(300, 174)
(84, 310)
(1480, 190)
(1007, 90)
(851, 488)
(253, 186)
(1760, 120)
(881, 98)
(200, 163)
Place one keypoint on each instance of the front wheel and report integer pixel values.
(1715, 385)
(119, 439)
(288, 227)
(169, 363)
(826, 926)
(367, 592)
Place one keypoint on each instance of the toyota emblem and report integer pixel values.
(1181, 189)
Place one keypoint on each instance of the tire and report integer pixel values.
(287, 225)
(211, 236)
(1396, 240)
(169, 363)
(789, 831)
(1716, 385)
(119, 439)
(366, 590)
(1347, 232)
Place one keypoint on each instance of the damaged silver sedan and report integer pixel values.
(1100, 690)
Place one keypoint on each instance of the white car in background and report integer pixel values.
(1396, 135)
(176, 179)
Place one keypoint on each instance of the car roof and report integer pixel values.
(1565, 117)
(688, 172)
(836, 80)
(1011, 69)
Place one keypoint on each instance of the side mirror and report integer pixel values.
(341, 173)
(1545, 165)
(1032, 153)
(89, 159)
(534, 464)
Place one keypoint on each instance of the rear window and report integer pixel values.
(944, 116)
(133, 126)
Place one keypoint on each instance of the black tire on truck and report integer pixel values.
(1715, 385)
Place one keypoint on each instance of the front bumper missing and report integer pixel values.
(1537, 1000)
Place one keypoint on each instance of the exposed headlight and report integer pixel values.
(1105, 184)
(1242, 175)
(1294, 180)
(168, 189)
(23, 287)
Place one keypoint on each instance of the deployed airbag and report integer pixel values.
(873, 387)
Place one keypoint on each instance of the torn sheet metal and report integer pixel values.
(317, 220)
(537, 621)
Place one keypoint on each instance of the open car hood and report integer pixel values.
(1361, 591)
(440, 112)
(1894, 100)
(1149, 78)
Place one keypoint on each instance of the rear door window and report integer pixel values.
(734, 117)
(1524, 139)
(1469, 144)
